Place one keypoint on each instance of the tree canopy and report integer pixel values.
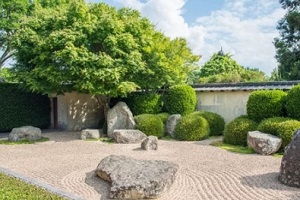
(96, 49)
(221, 68)
(288, 44)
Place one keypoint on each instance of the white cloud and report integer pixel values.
(245, 28)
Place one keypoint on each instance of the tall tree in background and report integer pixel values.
(288, 44)
(96, 49)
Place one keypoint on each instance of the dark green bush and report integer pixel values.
(292, 102)
(164, 117)
(180, 99)
(270, 125)
(215, 121)
(265, 104)
(192, 128)
(236, 131)
(19, 108)
(286, 130)
(150, 124)
(144, 103)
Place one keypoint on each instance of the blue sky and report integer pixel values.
(243, 28)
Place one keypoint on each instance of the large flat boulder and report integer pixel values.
(119, 117)
(171, 124)
(25, 132)
(126, 136)
(289, 169)
(262, 143)
(136, 179)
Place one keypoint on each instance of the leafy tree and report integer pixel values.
(221, 68)
(12, 12)
(96, 49)
(288, 44)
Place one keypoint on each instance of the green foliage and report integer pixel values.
(7, 75)
(192, 128)
(236, 131)
(270, 125)
(215, 121)
(150, 124)
(23, 141)
(292, 102)
(144, 103)
(180, 99)
(164, 117)
(265, 104)
(286, 130)
(19, 108)
(13, 188)
(233, 148)
(288, 44)
(96, 49)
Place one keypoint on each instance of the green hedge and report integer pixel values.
(292, 102)
(286, 130)
(150, 124)
(264, 104)
(19, 108)
(180, 99)
(270, 125)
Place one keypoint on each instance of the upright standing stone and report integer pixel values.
(171, 123)
(290, 163)
(150, 143)
(25, 132)
(119, 117)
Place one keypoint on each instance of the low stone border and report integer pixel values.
(40, 184)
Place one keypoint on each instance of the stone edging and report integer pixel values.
(40, 184)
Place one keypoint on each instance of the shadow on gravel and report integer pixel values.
(269, 181)
(102, 187)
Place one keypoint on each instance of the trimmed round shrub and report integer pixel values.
(150, 124)
(192, 128)
(270, 125)
(265, 104)
(144, 103)
(236, 131)
(292, 102)
(164, 117)
(215, 121)
(180, 99)
(286, 130)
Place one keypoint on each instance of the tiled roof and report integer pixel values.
(279, 85)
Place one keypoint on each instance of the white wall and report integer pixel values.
(78, 111)
(228, 104)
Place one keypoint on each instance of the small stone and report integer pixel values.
(91, 134)
(150, 143)
(126, 136)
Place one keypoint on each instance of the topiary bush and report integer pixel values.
(164, 117)
(144, 103)
(236, 131)
(270, 125)
(265, 104)
(150, 124)
(192, 128)
(20, 108)
(286, 130)
(180, 99)
(215, 121)
(292, 102)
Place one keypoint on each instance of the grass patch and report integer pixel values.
(23, 141)
(167, 137)
(13, 188)
(233, 148)
(102, 139)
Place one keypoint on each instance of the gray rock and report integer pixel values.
(91, 134)
(136, 179)
(119, 117)
(25, 132)
(289, 169)
(126, 136)
(262, 143)
(171, 123)
(150, 143)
